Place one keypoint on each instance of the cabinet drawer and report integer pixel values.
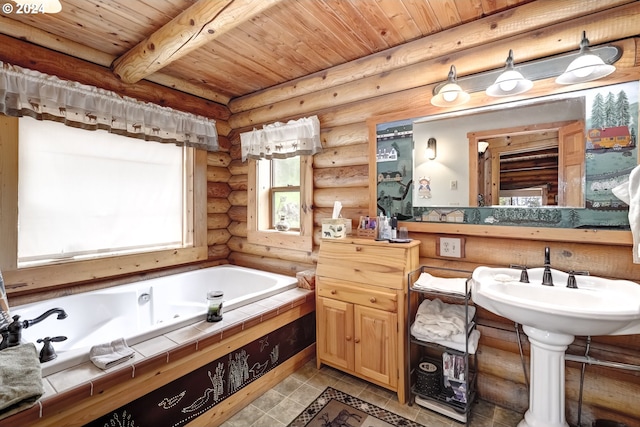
(374, 263)
(356, 293)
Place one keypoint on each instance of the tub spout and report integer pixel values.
(12, 334)
(61, 315)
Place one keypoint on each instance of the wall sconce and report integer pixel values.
(432, 149)
(586, 67)
(510, 82)
(450, 95)
(482, 146)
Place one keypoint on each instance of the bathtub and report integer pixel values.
(142, 310)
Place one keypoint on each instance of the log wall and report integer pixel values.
(393, 82)
(341, 173)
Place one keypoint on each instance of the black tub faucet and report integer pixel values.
(61, 315)
(547, 279)
(12, 333)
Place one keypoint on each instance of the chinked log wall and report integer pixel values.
(346, 97)
(397, 80)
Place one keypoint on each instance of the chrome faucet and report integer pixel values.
(12, 333)
(547, 279)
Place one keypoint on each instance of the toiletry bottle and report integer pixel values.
(394, 227)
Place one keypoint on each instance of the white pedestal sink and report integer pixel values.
(551, 317)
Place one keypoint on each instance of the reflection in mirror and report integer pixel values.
(561, 151)
(530, 166)
(394, 166)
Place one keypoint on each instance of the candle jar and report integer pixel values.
(214, 306)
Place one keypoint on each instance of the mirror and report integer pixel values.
(562, 151)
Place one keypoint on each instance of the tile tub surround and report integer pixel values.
(157, 361)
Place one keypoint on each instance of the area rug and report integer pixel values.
(336, 408)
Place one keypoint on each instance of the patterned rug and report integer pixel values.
(335, 408)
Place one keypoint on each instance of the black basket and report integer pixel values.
(428, 378)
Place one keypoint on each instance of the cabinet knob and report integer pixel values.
(348, 337)
(357, 340)
(358, 248)
(333, 292)
(372, 299)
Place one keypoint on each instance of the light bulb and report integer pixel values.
(450, 96)
(430, 154)
(508, 85)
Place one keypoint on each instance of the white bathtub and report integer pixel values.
(142, 310)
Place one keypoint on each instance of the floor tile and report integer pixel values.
(285, 401)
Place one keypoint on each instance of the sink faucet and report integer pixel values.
(12, 333)
(547, 279)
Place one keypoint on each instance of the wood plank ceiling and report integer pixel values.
(233, 48)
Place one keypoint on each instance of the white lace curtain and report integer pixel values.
(25, 92)
(282, 140)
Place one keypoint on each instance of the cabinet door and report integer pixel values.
(334, 337)
(376, 344)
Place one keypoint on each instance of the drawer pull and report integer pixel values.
(372, 300)
(348, 337)
(358, 248)
(357, 340)
(333, 292)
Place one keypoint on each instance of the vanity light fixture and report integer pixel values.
(510, 82)
(432, 149)
(450, 95)
(586, 67)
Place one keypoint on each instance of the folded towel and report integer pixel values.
(438, 320)
(104, 356)
(454, 285)
(456, 342)
(629, 192)
(20, 379)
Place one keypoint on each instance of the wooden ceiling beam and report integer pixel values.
(22, 31)
(188, 31)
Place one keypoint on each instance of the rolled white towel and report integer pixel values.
(107, 355)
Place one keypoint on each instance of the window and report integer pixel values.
(91, 204)
(529, 197)
(281, 187)
(285, 191)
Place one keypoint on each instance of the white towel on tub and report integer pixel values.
(104, 356)
(629, 192)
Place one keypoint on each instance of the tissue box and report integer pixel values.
(336, 228)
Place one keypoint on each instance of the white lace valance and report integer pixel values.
(25, 92)
(282, 140)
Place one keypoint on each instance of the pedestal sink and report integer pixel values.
(551, 317)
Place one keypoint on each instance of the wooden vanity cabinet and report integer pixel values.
(361, 302)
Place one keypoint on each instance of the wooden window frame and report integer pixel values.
(259, 229)
(40, 278)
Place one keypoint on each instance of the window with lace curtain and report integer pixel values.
(281, 182)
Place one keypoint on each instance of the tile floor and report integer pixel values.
(281, 404)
